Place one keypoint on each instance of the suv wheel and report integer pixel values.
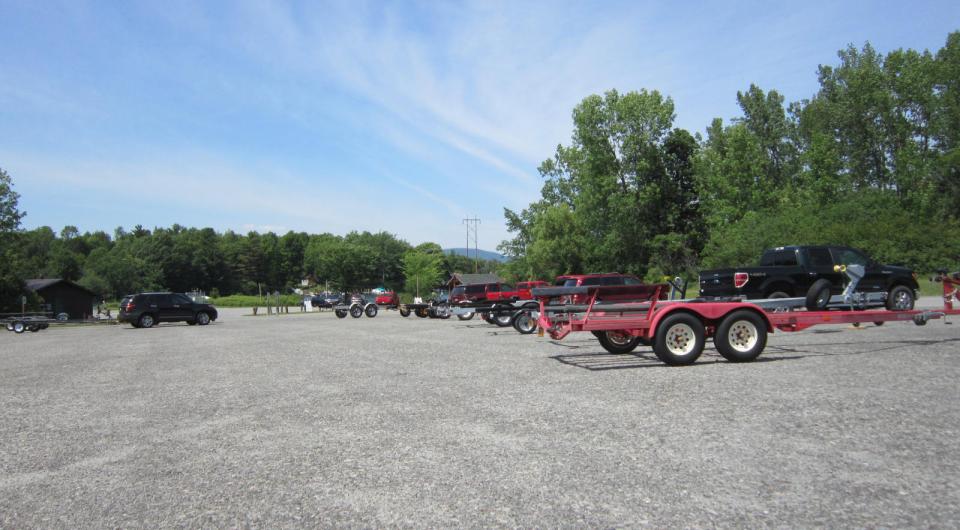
(146, 321)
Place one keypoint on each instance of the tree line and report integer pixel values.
(871, 160)
(182, 259)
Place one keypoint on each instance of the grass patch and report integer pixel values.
(242, 300)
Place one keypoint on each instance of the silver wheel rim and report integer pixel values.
(681, 340)
(203, 319)
(619, 339)
(902, 301)
(743, 336)
(19, 327)
(525, 322)
(503, 319)
(146, 321)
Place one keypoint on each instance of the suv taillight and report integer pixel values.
(129, 307)
(740, 279)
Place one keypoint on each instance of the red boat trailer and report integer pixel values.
(677, 329)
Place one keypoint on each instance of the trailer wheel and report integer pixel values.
(404, 311)
(503, 320)
(422, 312)
(524, 323)
(442, 311)
(468, 316)
(371, 310)
(741, 337)
(356, 311)
(878, 323)
(619, 342)
(680, 339)
(341, 313)
(34, 328)
(487, 317)
(818, 295)
(19, 327)
(9, 326)
(900, 298)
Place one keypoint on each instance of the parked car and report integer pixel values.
(788, 272)
(523, 288)
(639, 290)
(144, 310)
(388, 299)
(325, 300)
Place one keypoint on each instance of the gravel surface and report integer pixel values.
(307, 420)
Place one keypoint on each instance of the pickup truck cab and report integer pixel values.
(787, 272)
(523, 288)
(388, 299)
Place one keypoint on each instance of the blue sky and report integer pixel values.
(397, 116)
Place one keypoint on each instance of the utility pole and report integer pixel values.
(472, 225)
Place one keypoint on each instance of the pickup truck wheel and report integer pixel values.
(741, 337)
(680, 339)
(371, 310)
(618, 342)
(900, 299)
(818, 295)
(404, 311)
(356, 311)
(341, 313)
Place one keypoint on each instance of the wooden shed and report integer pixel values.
(62, 296)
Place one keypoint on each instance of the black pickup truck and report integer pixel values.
(787, 272)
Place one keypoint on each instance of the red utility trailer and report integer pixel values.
(677, 329)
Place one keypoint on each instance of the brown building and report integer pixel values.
(62, 296)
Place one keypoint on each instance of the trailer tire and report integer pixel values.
(9, 326)
(371, 310)
(356, 311)
(741, 336)
(442, 311)
(524, 323)
(503, 320)
(468, 316)
(900, 298)
(618, 342)
(404, 311)
(19, 327)
(487, 317)
(818, 295)
(341, 313)
(680, 339)
(34, 328)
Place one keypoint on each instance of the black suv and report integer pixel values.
(146, 309)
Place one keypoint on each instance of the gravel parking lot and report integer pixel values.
(307, 420)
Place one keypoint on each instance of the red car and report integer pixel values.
(523, 288)
(388, 299)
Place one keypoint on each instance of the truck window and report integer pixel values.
(779, 258)
(820, 258)
(848, 256)
(630, 281)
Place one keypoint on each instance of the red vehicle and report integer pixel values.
(523, 288)
(388, 299)
(677, 330)
(607, 279)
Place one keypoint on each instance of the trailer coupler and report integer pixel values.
(921, 319)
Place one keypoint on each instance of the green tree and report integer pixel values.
(422, 270)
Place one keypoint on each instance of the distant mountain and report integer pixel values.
(482, 254)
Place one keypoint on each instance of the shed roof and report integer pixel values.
(43, 283)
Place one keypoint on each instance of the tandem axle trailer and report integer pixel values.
(677, 329)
